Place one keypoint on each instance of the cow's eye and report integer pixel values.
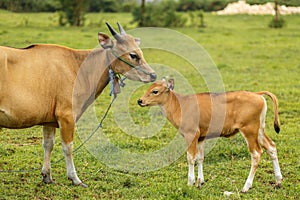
(154, 92)
(133, 56)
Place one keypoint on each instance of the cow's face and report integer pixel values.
(126, 56)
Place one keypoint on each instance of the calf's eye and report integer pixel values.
(154, 92)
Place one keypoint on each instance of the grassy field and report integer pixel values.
(249, 56)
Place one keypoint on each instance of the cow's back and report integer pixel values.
(32, 80)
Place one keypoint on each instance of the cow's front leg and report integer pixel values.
(67, 137)
(48, 143)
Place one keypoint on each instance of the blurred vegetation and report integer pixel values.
(159, 13)
(73, 11)
(206, 5)
(30, 5)
(277, 21)
(163, 13)
(249, 55)
(55, 5)
(125, 5)
(280, 2)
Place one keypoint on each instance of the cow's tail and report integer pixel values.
(275, 105)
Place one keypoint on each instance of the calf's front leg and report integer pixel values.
(200, 158)
(191, 172)
(191, 157)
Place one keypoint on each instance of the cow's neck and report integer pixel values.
(92, 78)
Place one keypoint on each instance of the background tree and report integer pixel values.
(280, 2)
(29, 5)
(142, 23)
(74, 11)
(277, 21)
(159, 14)
(205, 5)
(104, 6)
(163, 12)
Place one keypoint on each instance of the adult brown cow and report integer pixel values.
(52, 85)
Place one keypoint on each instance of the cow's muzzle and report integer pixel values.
(152, 77)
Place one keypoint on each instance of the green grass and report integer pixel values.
(249, 56)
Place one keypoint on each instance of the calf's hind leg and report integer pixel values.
(48, 143)
(270, 147)
(195, 152)
(251, 136)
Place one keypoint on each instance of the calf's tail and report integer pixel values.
(275, 105)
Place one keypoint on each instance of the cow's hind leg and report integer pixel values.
(270, 147)
(251, 136)
(67, 136)
(48, 143)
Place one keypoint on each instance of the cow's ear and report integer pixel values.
(105, 41)
(137, 41)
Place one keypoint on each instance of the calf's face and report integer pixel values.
(157, 94)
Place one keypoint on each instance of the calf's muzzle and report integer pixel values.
(140, 102)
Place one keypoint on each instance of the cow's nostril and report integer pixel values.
(153, 76)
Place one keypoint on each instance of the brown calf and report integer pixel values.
(209, 115)
(52, 86)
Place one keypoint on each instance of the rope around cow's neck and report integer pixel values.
(112, 77)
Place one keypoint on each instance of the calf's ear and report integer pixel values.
(170, 84)
(105, 41)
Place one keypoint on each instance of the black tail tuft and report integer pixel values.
(276, 127)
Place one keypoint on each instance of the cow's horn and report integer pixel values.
(122, 31)
(113, 32)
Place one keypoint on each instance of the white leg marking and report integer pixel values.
(273, 154)
(191, 163)
(71, 172)
(262, 122)
(255, 157)
(200, 158)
